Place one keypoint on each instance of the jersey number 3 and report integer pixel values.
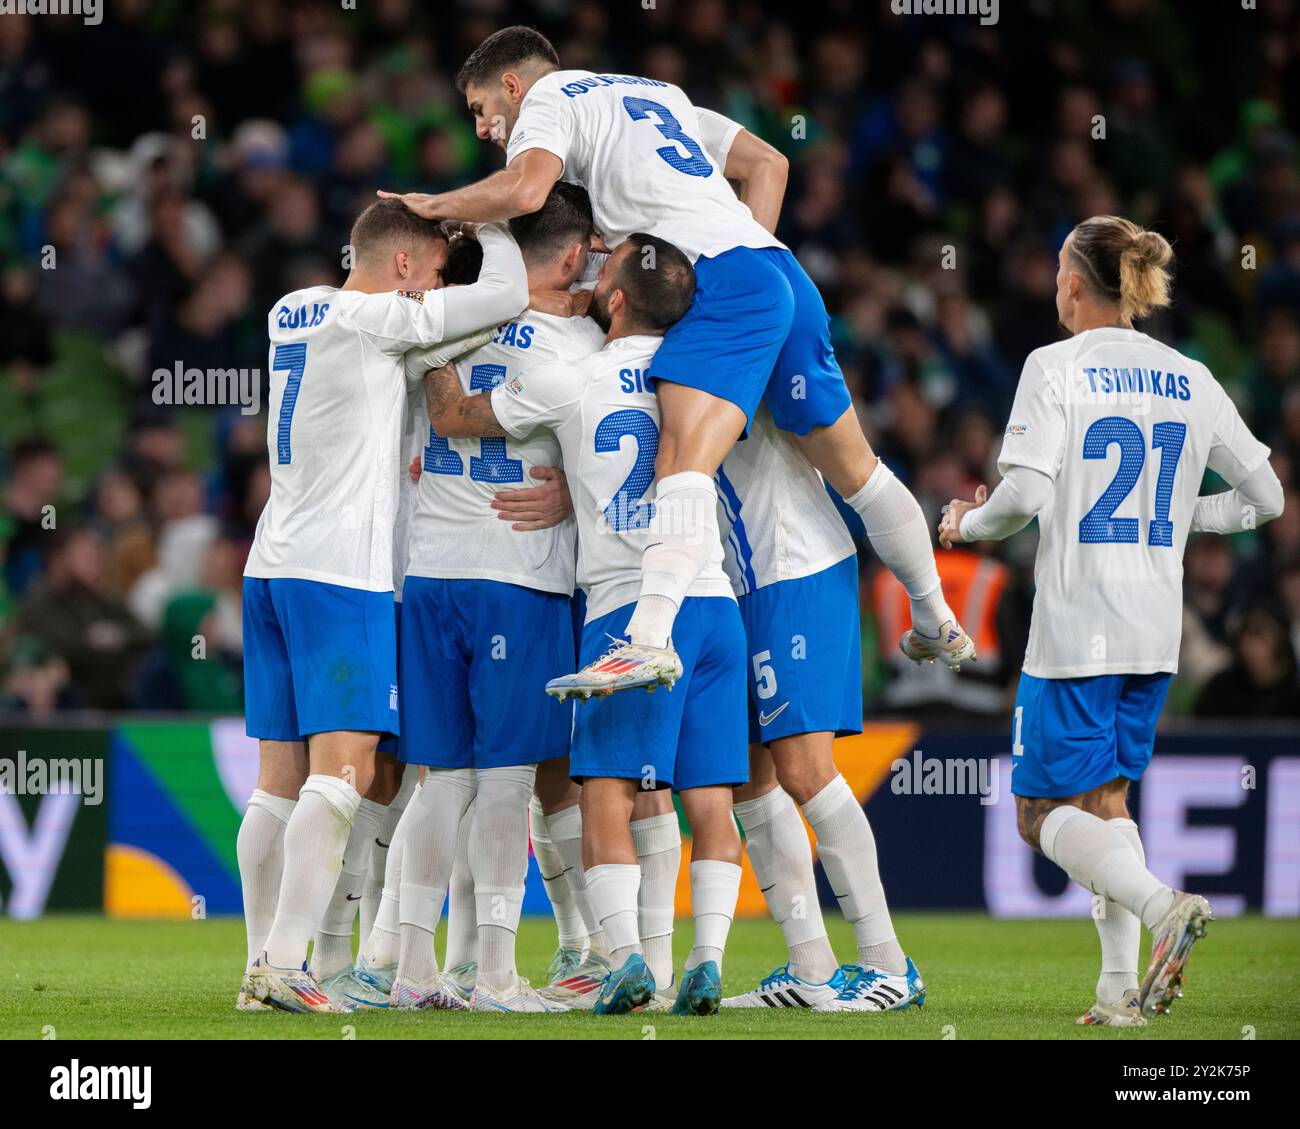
(1100, 526)
(694, 163)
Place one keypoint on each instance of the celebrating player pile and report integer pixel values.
(694, 414)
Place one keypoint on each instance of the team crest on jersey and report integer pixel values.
(414, 295)
(515, 386)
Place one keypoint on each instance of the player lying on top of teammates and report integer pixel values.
(1110, 436)
(319, 647)
(605, 417)
(756, 332)
(794, 570)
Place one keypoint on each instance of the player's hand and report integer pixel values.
(421, 203)
(536, 507)
(414, 469)
(950, 526)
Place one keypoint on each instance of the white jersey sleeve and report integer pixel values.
(546, 121)
(637, 146)
(717, 132)
(548, 396)
(1235, 454)
(456, 533)
(1036, 431)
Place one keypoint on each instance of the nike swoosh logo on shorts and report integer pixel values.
(768, 718)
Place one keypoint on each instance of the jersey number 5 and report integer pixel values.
(1100, 526)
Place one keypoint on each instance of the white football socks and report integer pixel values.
(779, 851)
(374, 888)
(847, 849)
(314, 840)
(658, 842)
(568, 918)
(683, 538)
(428, 854)
(498, 859)
(715, 885)
(381, 944)
(260, 851)
(462, 917)
(332, 951)
(1120, 932)
(612, 889)
(900, 537)
(1101, 858)
(565, 828)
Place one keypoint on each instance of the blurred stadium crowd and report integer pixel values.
(165, 176)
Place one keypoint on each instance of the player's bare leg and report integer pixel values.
(341, 767)
(898, 531)
(1101, 858)
(715, 885)
(613, 884)
(282, 770)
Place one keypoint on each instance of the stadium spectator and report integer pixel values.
(69, 611)
(1261, 682)
(906, 137)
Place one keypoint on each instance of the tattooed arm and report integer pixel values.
(453, 413)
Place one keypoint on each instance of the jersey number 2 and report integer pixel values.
(1100, 526)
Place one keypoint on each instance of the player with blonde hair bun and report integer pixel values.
(1109, 438)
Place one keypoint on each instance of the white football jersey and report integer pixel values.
(639, 148)
(337, 395)
(455, 532)
(606, 420)
(1125, 427)
(777, 521)
(415, 425)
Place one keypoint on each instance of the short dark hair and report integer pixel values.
(388, 222)
(464, 260)
(504, 50)
(30, 449)
(563, 220)
(657, 287)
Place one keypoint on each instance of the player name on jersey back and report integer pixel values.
(1126, 427)
(638, 146)
(777, 521)
(336, 401)
(455, 533)
(605, 417)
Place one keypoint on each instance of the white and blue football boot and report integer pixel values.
(952, 646)
(625, 666)
(290, 989)
(435, 994)
(380, 977)
(346, 987)
(462, 979)
(563, 964)
(1171, 944)
(870, 989)
(783, 988)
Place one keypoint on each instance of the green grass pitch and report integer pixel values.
(91, 978)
